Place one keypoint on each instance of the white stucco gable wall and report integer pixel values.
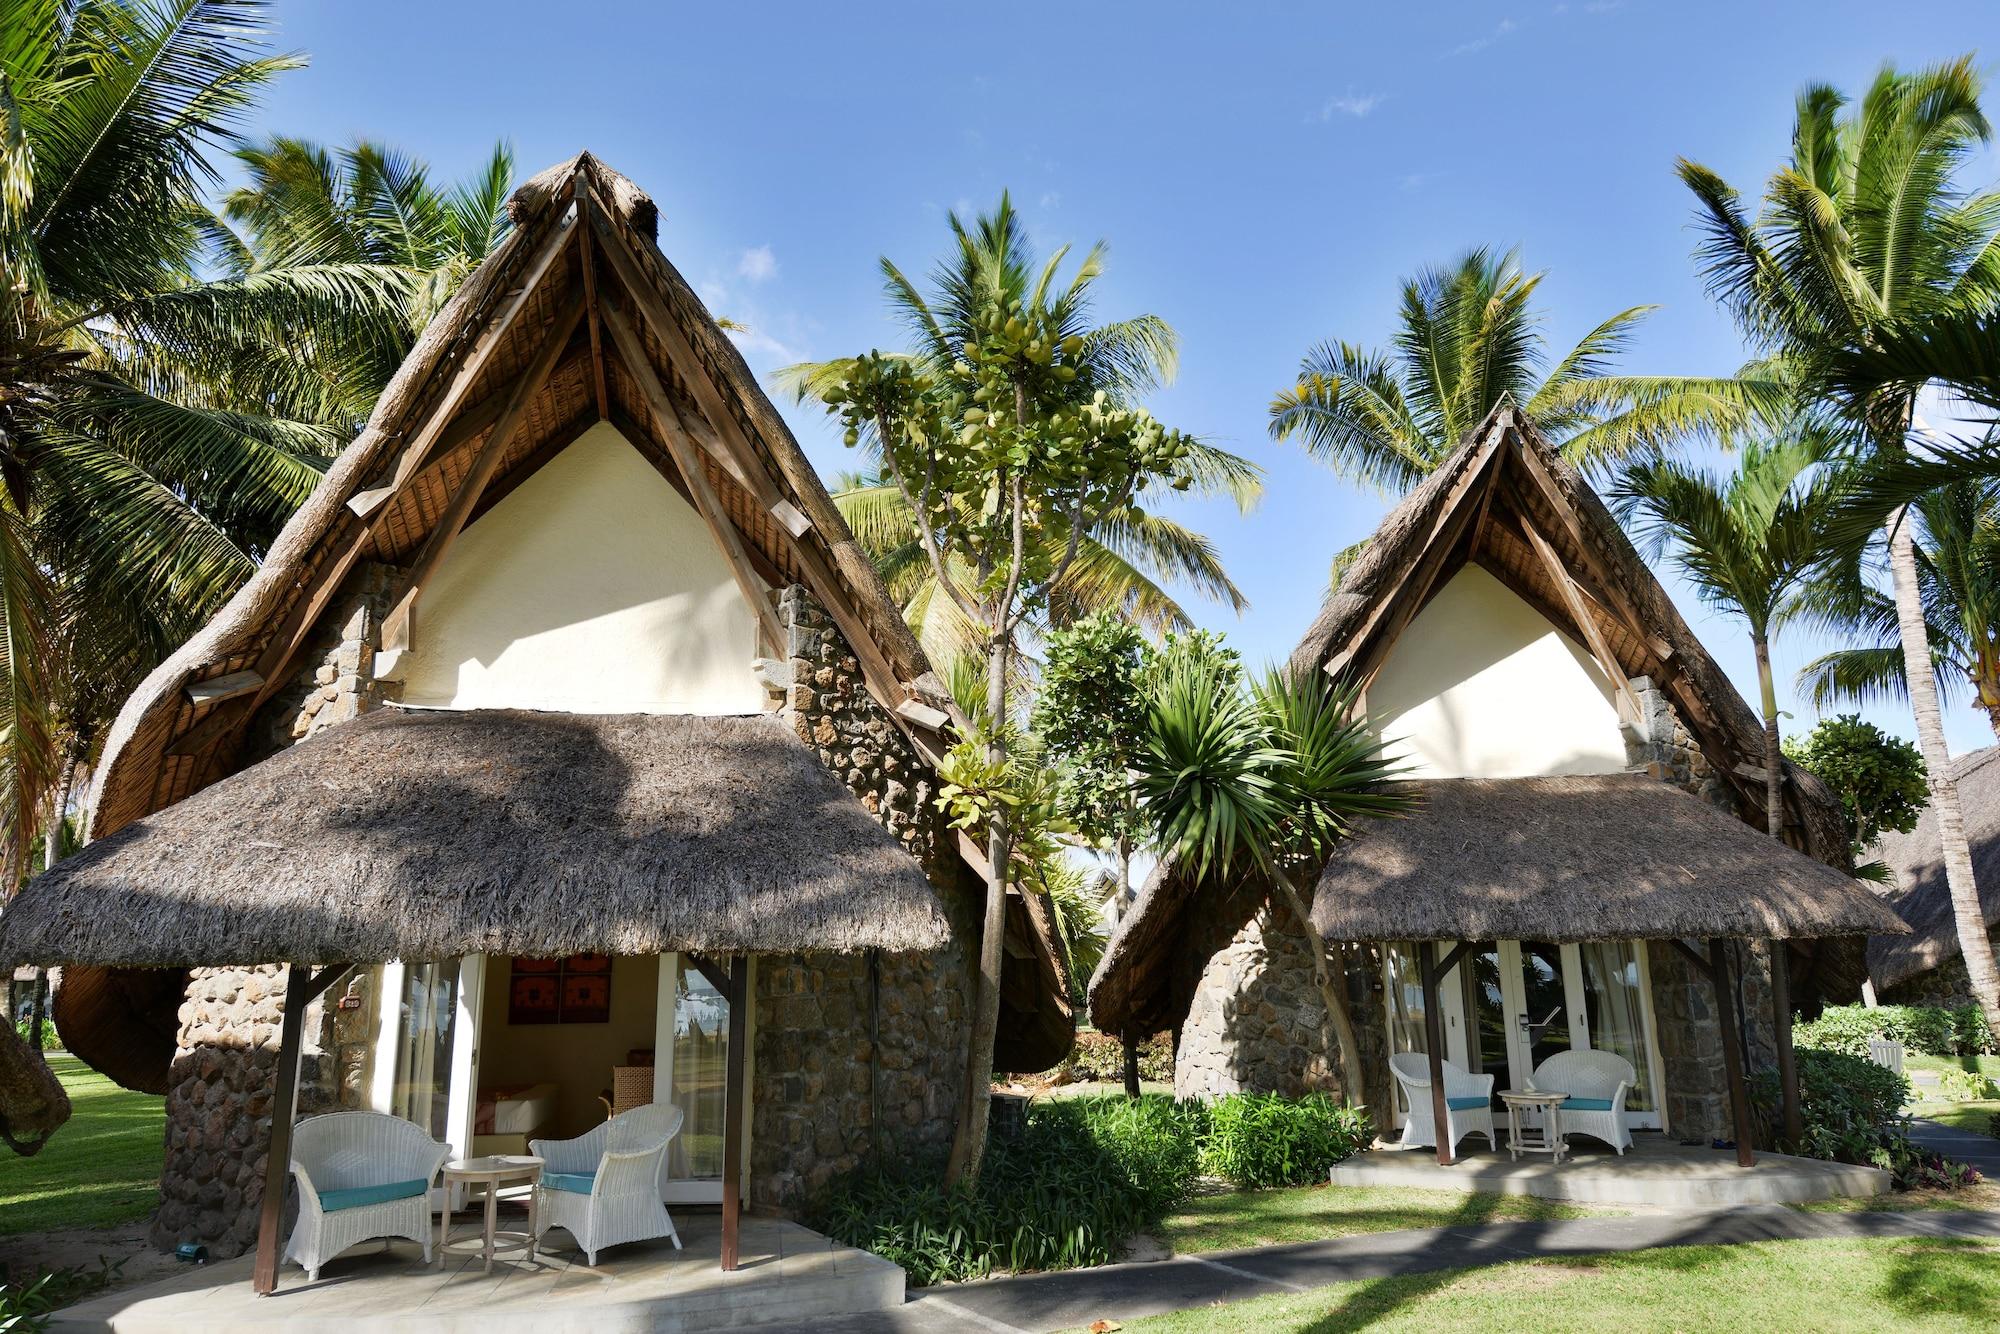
(593, 587)
(1481, 685)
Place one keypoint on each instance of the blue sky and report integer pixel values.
(1264, 174)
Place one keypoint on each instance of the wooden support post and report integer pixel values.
(1788, 1069)
(1732, 1051)
(1434, 1040)
(733, 1102)
(301, 986)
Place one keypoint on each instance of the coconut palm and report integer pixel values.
(1957, 542)
(150, 442)
(1264, 776)
(365, 205)
(1470, 338)
(1748, 541)
(1864, 232)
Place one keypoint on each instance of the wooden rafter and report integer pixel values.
(396, 626)
(466, 426)
(588, 261)
(1592, 632)
(706, 503)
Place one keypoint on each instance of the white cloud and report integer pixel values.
(755, 343)
(1051, 199)
(1352, 104)
(758, 264)
(1481, 43)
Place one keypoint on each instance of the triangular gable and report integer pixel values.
(576, 318)
(1507, 502)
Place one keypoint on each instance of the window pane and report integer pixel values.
(701, 1059)
(1542, 1002)
(429, 1011)
(1479, 975)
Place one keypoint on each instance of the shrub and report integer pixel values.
(1261, 1139)
(1926, 1029)
(26, 1305)
(51, 1040)
(1099, 1058)
(1964, 1086)
(1084, 1174)
(1852, 1110)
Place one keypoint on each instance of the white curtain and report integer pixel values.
(1614, 1001)
(429, 1011)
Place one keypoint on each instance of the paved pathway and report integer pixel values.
(1037, 1303)
(1982, 1151)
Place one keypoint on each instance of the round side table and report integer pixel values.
(1544, 1138)
(492, 1171)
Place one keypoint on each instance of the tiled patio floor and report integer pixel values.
(1656, 1170)
(788, 1273)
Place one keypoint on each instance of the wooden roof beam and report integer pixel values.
(587, 260)
(1628, 702)
(396, 626)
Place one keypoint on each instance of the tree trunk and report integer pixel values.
(1922, 679)
(51, 854)
(1337, 1027)
(968, 1146)
(1774, 752)
(1131, 1068)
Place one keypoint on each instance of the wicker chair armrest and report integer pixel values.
(629, 1173)
(308, 1194)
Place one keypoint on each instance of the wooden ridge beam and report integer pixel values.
(587, 261)
(396, 626)
(706, 503)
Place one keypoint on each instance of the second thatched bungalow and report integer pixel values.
(571, 752)
(1585, 867)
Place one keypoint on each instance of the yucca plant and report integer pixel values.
(1264, 777)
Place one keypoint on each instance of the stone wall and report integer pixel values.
(1947, 985)
(1697, 1086)
(220, 1086)
(857, 1055)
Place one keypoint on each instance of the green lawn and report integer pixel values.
(1902, 1284)
(1313, 1213)
(1985, 1196)
(1974, 1116)
(1986, 1065)
(102, 1167)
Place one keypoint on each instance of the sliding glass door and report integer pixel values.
(690, 1071)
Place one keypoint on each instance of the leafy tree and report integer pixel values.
(1090, 714)
(1469, 338)
(1011, 433)
(1957, 550)
(1124, 566)
(152, 436)
(1879, 778)
(1748, 542)
(1865, 232)
(1264, 776)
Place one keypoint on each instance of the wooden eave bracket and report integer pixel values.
(216, 689)
(923, 715)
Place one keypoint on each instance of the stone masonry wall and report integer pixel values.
(220, 1086)
(857, 1056)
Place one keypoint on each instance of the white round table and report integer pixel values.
(492, 1171)
(1544, 1138)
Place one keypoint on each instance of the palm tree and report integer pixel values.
(151, 444)
(1122, 567)
(364, 205)
(1264, 776)
(1864, 232)
(1470, 338)
(1957, 544)
(1748, 542)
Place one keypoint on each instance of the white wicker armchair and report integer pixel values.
(1597, 1082)
(1468, 1100)
(362, 1176)
(604, 1187)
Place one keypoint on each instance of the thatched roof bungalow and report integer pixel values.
(1926, 966)
(567, 729)
(1589, 793)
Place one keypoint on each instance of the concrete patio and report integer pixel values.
(788, 1273)
(1655, 1171)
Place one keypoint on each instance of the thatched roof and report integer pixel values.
(1580, 857)
(582, 236)
(412, 834)
(1507, 502)
(1920, 896)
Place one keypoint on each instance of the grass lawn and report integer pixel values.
(1986, 1196)
(102, 1167)
(1902, 1284)
(1986, 1065)
(1978, 1117)
(1240, 1218)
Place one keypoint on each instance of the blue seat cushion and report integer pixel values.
(356, 1197)
(1465, 1104)
(1587, 1105)
(576, 1183)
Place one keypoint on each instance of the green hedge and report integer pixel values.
(1927, 1029)
(1083, 1175)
